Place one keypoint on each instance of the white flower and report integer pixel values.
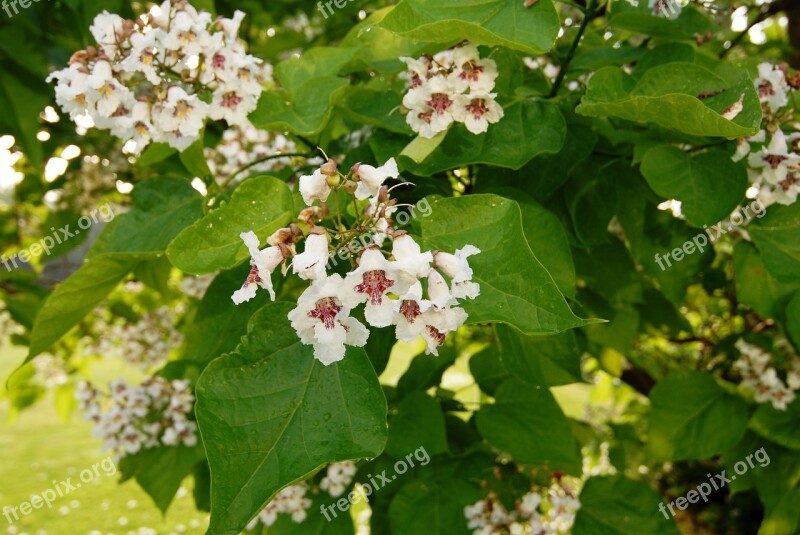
(457, 268)
(409, 260)
(370, 282)
(263, 263)
(477, 111)
(529, 503)
(439, 322)
(775, 160)
(105, 29)
(407, 311)
(311, 263)
(772, 87)
(338, 477)
(314, 187)
(321, 320)
(471, 72)
(371, 178)
(181, 118)
(666, 8)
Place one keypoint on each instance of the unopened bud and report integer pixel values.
(383, 194)
(350, 186)
(332, 180)
(329, 168)
(354, 171)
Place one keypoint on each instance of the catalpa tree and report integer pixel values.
(499, 266)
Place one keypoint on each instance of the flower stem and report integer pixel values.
(562, 72)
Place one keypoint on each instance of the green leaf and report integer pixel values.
(154, 153)
(315, 63)
(777, 236)
(425, 371)
(160, 471)
(793, 319)
(23, 98)
(419, 422)
(781, 427)
(194, 159)
(540, 360)
(78, 295)
(528, 129)
(515, 287)
(758, 289)
(693, 417)
(378, 108)
(261, 204)
(619, 506)
(162, 208)
(433, 506)
(666, 95)
(528, 424)
(486, 22)
(710, 185)
(487, 369)
(270, 415)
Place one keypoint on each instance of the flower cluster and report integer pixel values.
(670, 9)
(338, 477)
(763, 379)
(542, 511)
(49, 371)
(293, 501)
(160, 77)
(195, 286)
(145, 344)
(244, 146)
(131, 418)
(774, 168)
(453, 86)
(391, 289)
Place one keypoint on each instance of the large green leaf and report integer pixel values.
(758, 289)
(515, 287)
(485, 22)
(78, 295)
(160, 471)
(433, 506)
(667, 95)
(781, 427)
(528, 424)
(261, 204)
(310, 91)
(528, 129)
(710, 185)
(162, 208)
(619, 506)
(777, 236)
(693, 417)
(540, 360)
(419, 423)
(270, 415)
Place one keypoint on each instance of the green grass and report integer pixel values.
(38, 447)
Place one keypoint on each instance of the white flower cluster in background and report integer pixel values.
(774, 168)
(453, 86)
(405, 288)
(245, 145)
(195, 286)
(131, 418)
(542, 511)
(160, 77)
(49, 371)
(293, 501)
(763, 379)
(144, 344)
(338, 477)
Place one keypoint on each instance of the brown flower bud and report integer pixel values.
(329, 168)
(350, 186)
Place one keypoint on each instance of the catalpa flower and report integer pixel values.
(323, 321)
(370, 283)
(262, 264)
(454, 86)
(773, 90)
(370, 178)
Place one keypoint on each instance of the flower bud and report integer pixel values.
(329, 168)
(350, 186)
